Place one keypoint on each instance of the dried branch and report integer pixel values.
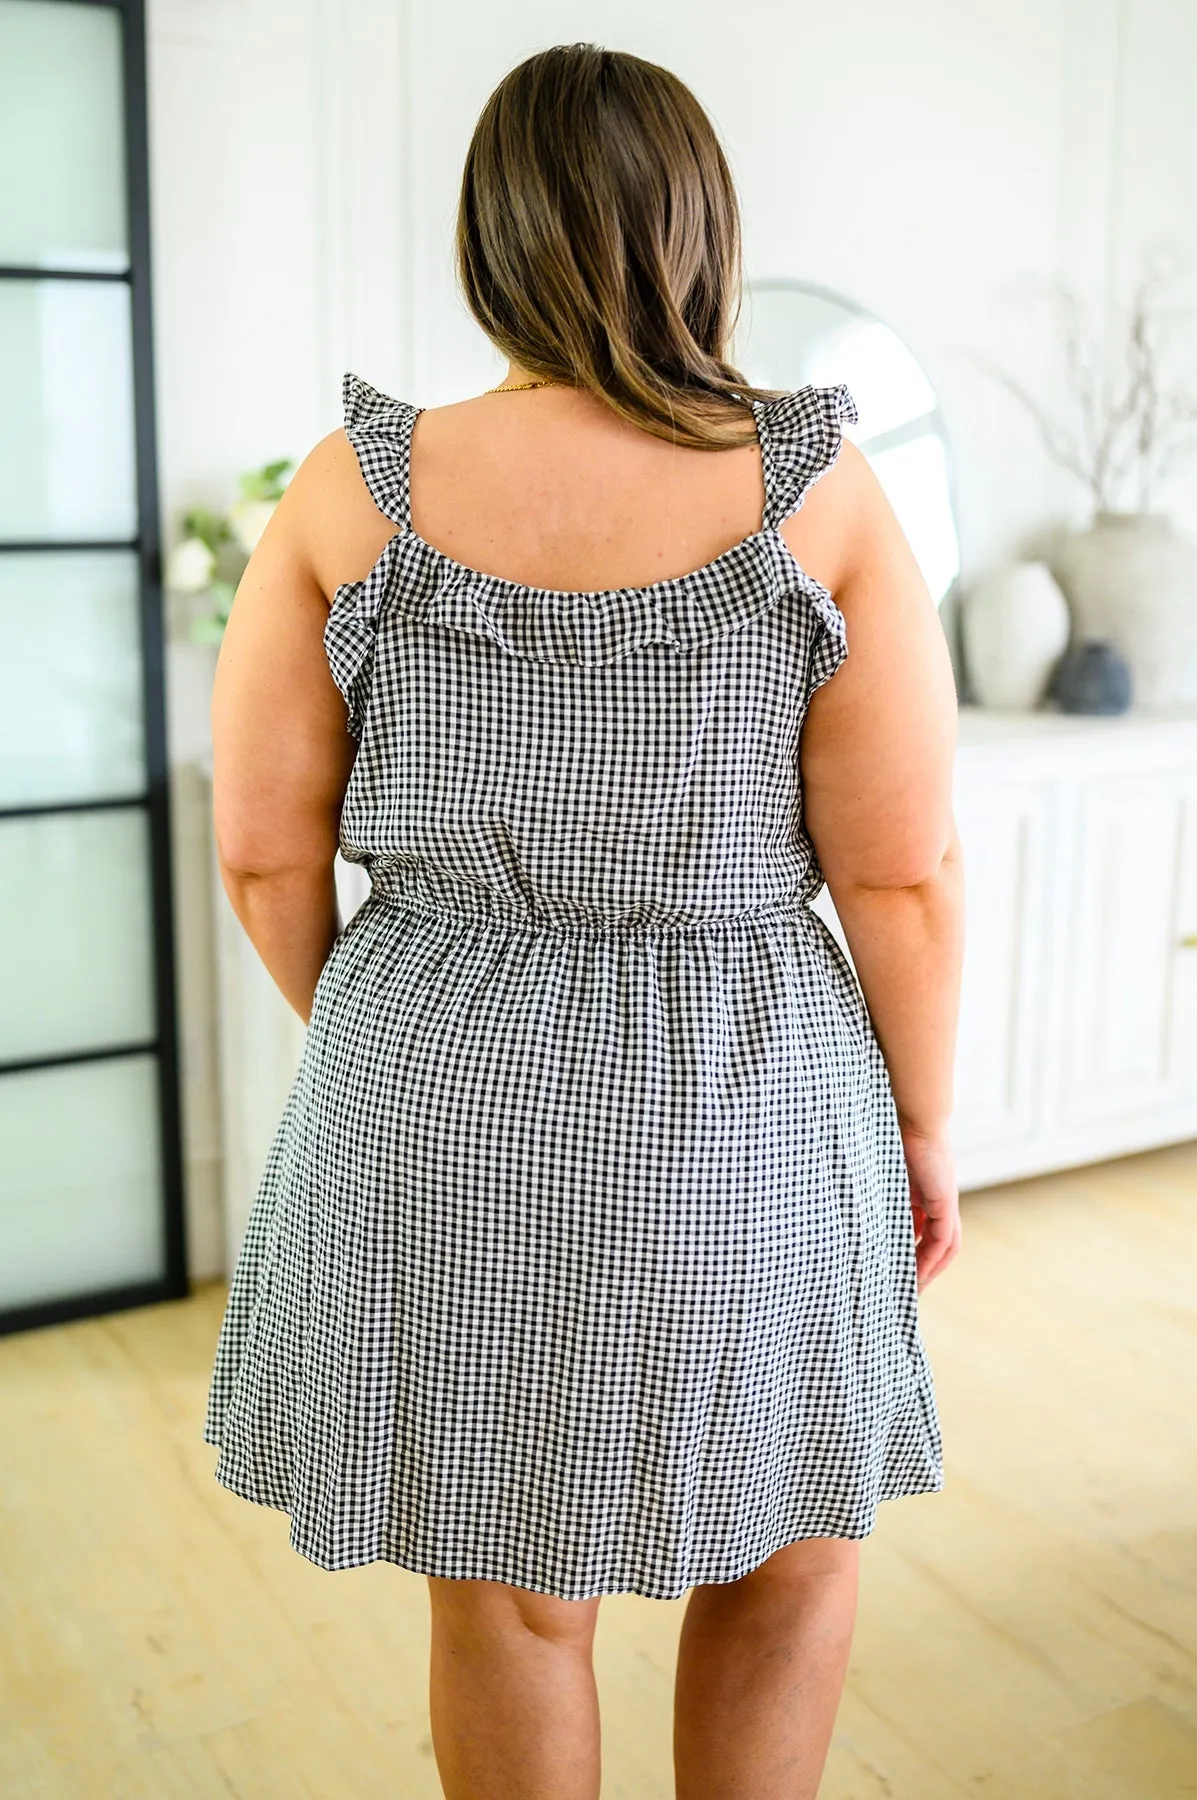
(1080, 375)
(1069, 455)
(1128, 425)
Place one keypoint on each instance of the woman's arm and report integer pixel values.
(281, 754)
(876, 754)
(906, 943)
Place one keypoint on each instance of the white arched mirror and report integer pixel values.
(792, 333)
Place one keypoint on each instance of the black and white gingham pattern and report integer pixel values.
(583, 1259)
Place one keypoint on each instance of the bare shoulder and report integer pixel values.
(328, 517)
(841, 515)
(879, 735)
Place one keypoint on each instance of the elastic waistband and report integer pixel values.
(792, 911)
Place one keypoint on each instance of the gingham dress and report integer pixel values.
(583, 1259)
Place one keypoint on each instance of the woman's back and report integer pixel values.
(588, 943)
(551, 489)
(661, 786)
(583, 1260)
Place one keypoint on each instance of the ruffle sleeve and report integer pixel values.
(830, 645)
(800, 437)
(351, 634)
(379, 429)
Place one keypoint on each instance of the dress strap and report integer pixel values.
(379, 429)
(800, 439)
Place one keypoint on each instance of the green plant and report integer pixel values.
(210, 557)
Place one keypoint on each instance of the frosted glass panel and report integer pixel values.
(80, 1205)
(66, 425)
(76, 934)
(62, 179)
(70, 677)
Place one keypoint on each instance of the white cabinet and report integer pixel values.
(1125, 950)
(1078, 1009)
(1182, 1027)
(1006, 835)
(1078, 1031)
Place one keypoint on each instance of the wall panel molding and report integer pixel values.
(364, 114)
(1091, 112)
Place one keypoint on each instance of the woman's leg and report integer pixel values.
(761, 1666)
(512, 1695)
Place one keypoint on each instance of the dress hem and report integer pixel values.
(645, 1589)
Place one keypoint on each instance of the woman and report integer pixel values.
(587, 1256)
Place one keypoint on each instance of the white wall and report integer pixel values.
(926, 159)
(277, 166)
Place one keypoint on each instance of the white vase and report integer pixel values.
(1132, 580)
(1014, 626)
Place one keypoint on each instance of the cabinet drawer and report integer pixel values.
(1005, 832)
(1128, 968)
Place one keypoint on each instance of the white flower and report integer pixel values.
(249, 519)
(190, 566)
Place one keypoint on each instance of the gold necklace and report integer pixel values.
(519, 387)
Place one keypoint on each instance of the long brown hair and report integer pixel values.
(598, 241)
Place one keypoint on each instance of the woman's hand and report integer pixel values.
(934, 1201)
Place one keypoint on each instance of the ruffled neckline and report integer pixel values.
(414, 580)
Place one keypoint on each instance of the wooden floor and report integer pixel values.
(1029, 1634)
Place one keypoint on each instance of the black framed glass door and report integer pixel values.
(90, 1173)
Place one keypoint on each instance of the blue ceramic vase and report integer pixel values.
(1092, 678)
